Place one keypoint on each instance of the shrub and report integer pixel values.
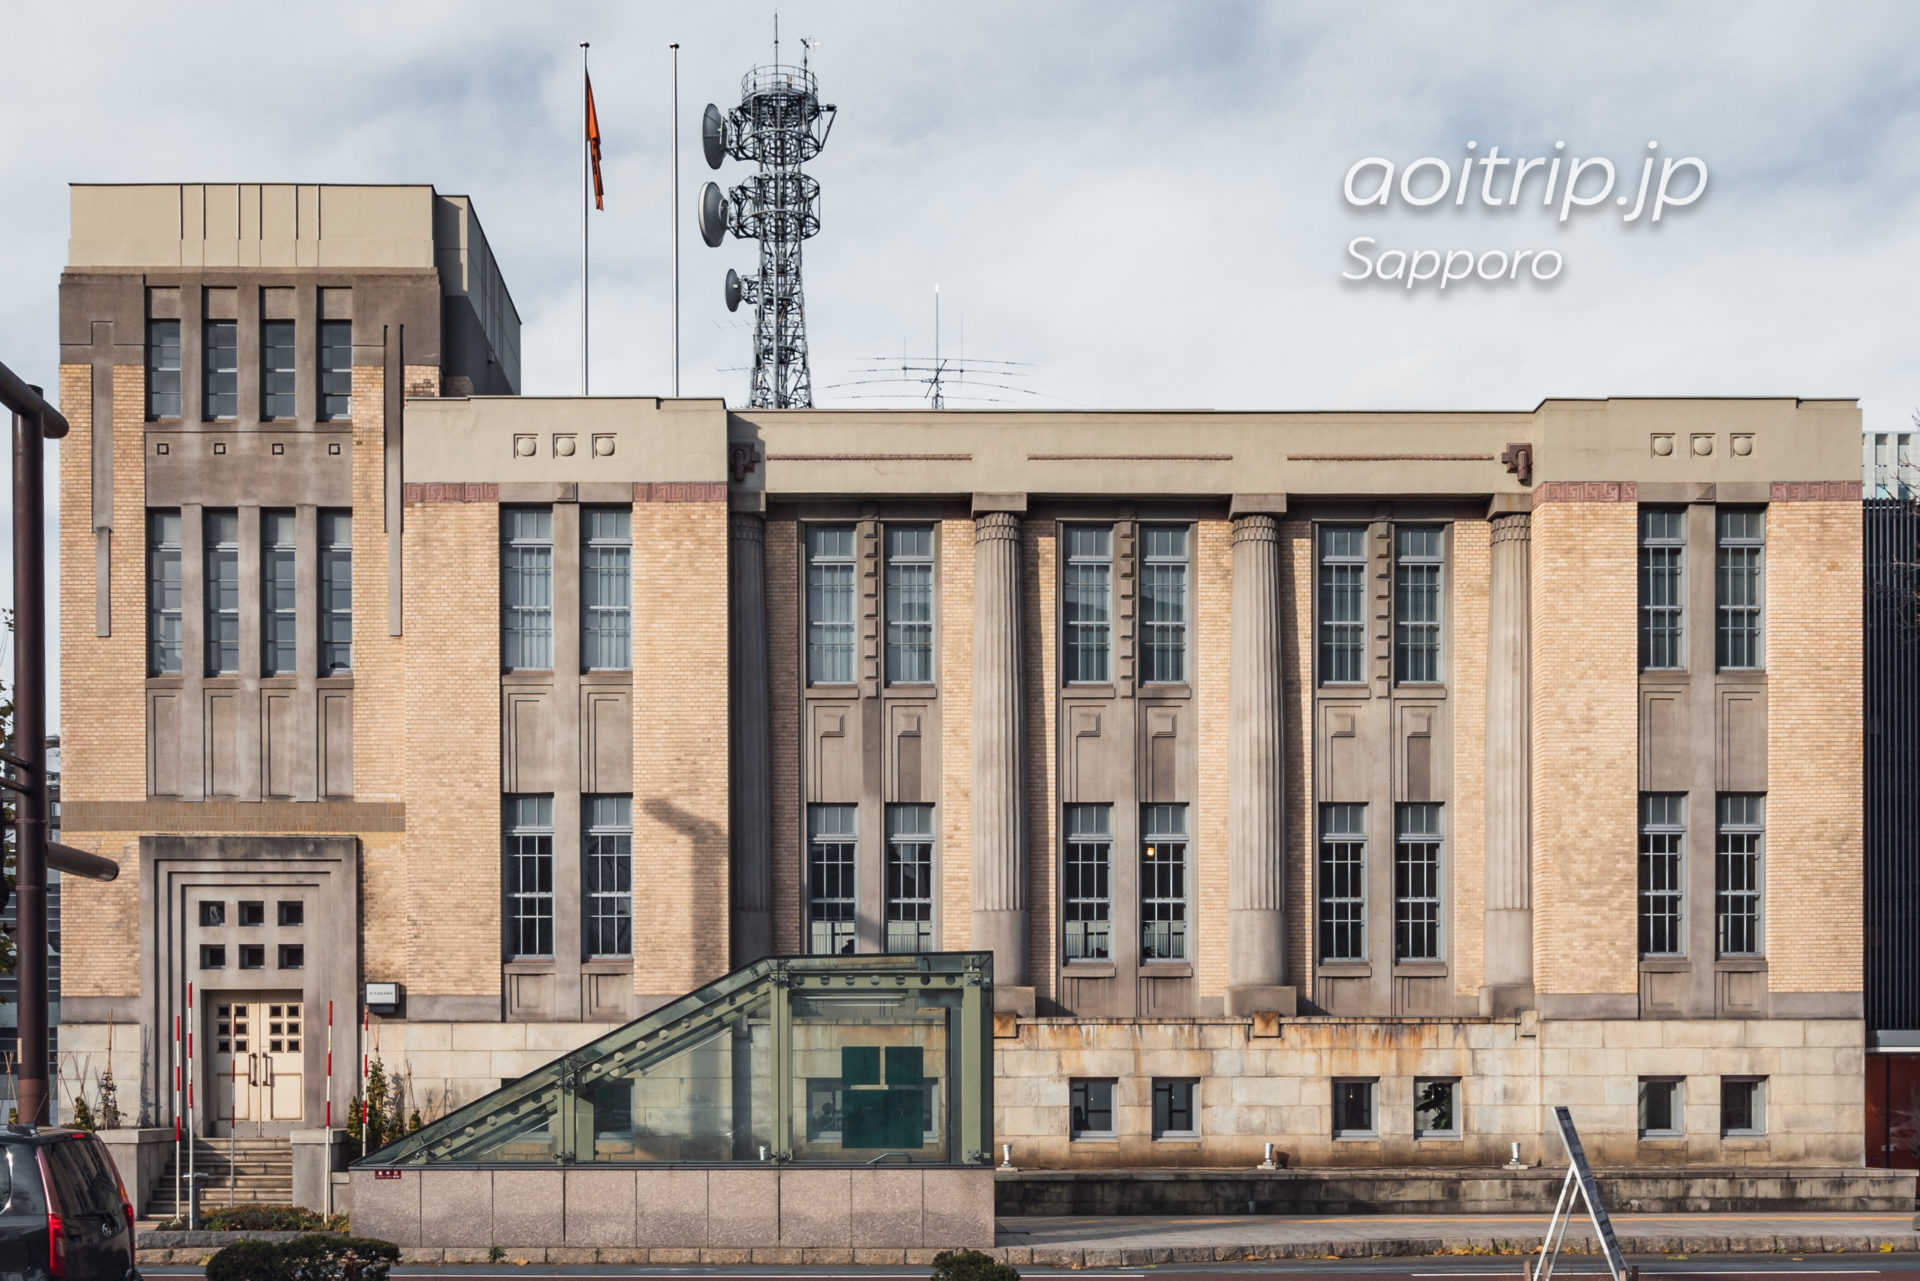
(261, 1218)
(315, 1257)
(948, 1265)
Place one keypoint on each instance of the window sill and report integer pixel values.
(1665, 965)
(1087, 689)
(1420, 969)
(913, 689)
(1167, 689)
(1343, 970)
(1744, 1140)
(1166, 969)
(1095, 1138)
(165, 680)
(1740, 964)
(1087, 969)
(1664, 1136)
(607, 676)
(1436, 690)
(1449, 1136)
(1179, 1138)
(1369, 1136)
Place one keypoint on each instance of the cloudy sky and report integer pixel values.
(1142, 200)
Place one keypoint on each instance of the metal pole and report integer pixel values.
(586, 189)
(30, 747)
(676, 217)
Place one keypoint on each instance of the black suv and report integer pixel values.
(63, 1210)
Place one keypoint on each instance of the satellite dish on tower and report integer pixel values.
(713, 136)
(732, 290)
(712, 215)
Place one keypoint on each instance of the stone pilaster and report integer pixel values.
(1509, 841)
(749, 737)
(999, 808)
(1256, 814)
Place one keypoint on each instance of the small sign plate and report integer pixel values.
(386, 1174)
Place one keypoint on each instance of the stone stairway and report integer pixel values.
(240, 1172)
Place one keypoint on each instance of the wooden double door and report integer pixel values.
(258, 1066)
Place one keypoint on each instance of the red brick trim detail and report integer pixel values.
(1586, 491)
(1816, 491)
(680, 491)
(473, 493)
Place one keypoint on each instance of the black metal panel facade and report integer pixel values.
(1892, 609)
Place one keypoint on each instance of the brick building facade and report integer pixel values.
(1360, 783)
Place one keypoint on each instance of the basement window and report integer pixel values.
(1353, 1108)
(1660, 1115)
(1092, 1108)
(1436, 1108)
(1173, 1115)
(1742, 1106)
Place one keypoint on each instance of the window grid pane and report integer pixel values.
(1343, 604)
(1163, 883)
(910, 878)
(1416, 605)
(277, 399)
(277, 595)
(220, 538)
(1163, 603)
(1172, 1107)
(1663, 552)
(529, 877)
(336, 592)
(1089, 603)
(1091, 1107)
(1416, 884)
(336, 369)
(1663, 835)
(221, 384)
(1343, 882)
(609, 867)
(163, 369)
(909, 604)
(830, 605)
(163, 593)
(830, 885)
(1088, 899)
(526, 589)
(1737, 876)
(1738, 586)
(606, 588)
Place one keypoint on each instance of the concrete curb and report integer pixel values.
(1048, 1256)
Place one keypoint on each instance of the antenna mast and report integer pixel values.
(780, 124)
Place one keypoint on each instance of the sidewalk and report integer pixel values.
(1135, 1241)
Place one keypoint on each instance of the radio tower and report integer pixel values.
(780, 124)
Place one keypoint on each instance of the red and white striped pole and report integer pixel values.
(178, 1163)
(366, 1033)
(328, 1106)
(188, 1057)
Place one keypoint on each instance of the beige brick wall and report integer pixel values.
(1040, 658)
(1212, 614)
(1467, 690)
(379, 659)
(1814, 778)
(783, 706)
(452, 778)
(1296, 659)
(103, 679)
(955, 625)
(1585, 747)
(680, 768)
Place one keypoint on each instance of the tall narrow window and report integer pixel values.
(1663, 840)
(529, 878)
(1663, 562)
(277, 399)
(1089, 612)
(909, 604)
(1163, 883)
(277, 595)
(830, 605)
(1736, 875)
(1343, 604)
(1163, 603)
(1343, 882)
(1737, 587)
(606, 588)
(220, 542)
(220, 358)
(163, 593)
(1088, 899)
(608, 846)
(830, 897)
(526, 589)
(163, 369)
(909, 878)
(1416, 883)
(336, 369)
(336, 592)
(1416, 604)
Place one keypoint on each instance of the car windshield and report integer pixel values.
(20, 1174)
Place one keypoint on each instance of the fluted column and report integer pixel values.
(750, 809)
(1509, 910)
(1256, 798)
(999, 802)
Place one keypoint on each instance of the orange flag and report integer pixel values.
(593, 143)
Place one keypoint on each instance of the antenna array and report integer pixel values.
(779, 125)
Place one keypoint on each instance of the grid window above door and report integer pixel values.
(1163, 883)
(529, 876)
(608, 847)
(909, 878)
(831, 916)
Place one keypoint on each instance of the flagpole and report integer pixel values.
(586, 184)
(676, 216)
